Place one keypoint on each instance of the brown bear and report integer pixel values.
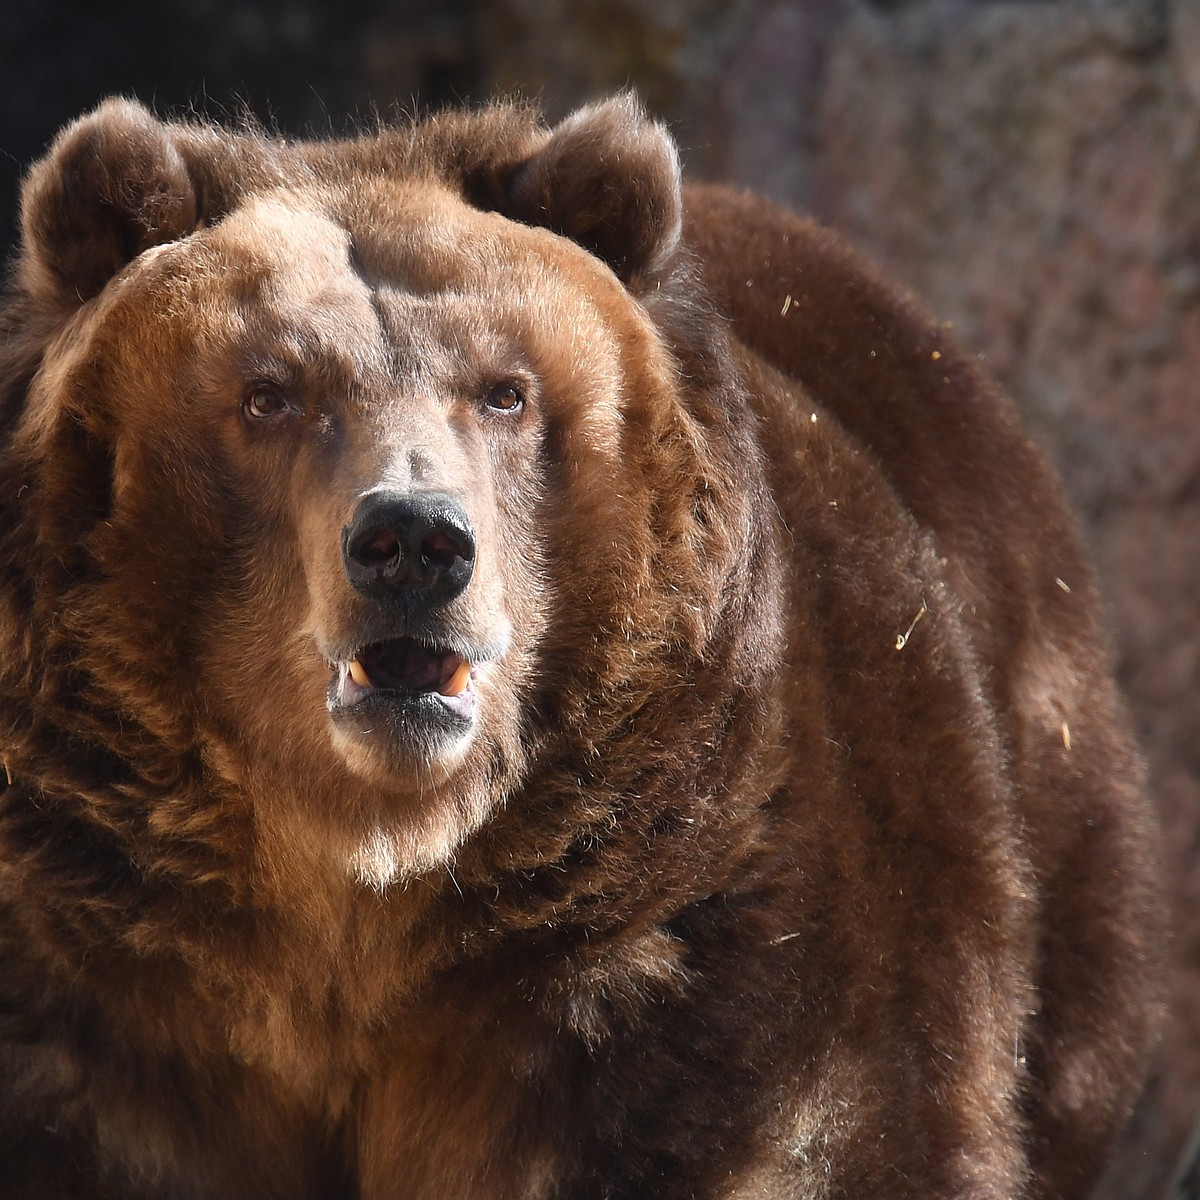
(521, 680)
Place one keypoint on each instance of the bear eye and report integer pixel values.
(264, 400)
(505, 398)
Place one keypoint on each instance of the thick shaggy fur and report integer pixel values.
(794, 845)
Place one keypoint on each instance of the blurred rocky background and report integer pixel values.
(1030, 167)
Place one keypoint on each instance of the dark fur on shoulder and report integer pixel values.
(521, 679)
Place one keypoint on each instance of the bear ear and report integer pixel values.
(112, 185)
(608, 178)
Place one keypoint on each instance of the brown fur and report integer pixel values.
(796, 846)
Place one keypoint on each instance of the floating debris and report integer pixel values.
(902, 640)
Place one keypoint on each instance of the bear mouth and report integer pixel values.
(402, 672)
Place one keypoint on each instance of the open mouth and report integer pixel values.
(404, 672)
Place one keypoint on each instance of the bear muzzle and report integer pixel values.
(410, 659)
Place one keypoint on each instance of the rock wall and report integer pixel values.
(1029, 167)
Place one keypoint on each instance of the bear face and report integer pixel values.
(518, 678)
(295, 375)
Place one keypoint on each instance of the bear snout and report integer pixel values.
(418, 547)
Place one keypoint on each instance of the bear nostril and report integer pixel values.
(380, 550)
(418, 546)
(438, 550)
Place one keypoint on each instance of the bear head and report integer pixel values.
(356, 483)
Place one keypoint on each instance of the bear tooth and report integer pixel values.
(359, 674)
(457, 683)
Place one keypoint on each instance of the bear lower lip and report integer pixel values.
(405, 713)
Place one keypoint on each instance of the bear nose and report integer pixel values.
(416, 545)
